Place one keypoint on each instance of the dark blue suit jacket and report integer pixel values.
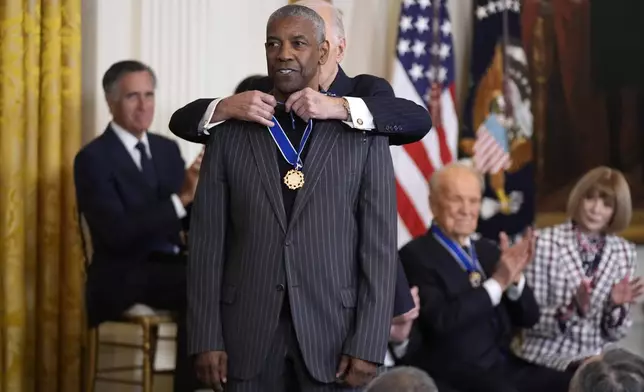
(402, 120)
(125, 215)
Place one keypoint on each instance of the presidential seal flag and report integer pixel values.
(424, 73)
(497, 131)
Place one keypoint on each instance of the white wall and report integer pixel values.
(203, 48)
(198, 48)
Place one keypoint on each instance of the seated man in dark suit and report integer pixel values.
(472, 295)
(134, 192)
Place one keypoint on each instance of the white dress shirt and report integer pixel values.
(494, 289)
(361, 117)
(130, 141)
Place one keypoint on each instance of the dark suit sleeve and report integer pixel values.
(100, 203)
(439, 314)
(376, 255)
(401, 119)
(184, 123)
(206, 253)
(525, 311)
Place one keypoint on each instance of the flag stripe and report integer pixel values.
(408, 214)
(432, 86)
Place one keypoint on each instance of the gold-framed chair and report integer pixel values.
(146, 318)
(149, 324)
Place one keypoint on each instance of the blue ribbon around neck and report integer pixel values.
(292, 156)
(469, 263)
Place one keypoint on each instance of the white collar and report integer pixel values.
(130, 141)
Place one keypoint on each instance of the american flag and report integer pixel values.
(424, 73)
(489, 156)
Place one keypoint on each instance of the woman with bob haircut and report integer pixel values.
(582, 276)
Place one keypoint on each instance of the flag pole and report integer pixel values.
(435, 88)
(506, 76)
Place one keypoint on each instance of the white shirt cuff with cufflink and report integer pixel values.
(361, 117)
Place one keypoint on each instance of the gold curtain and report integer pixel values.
(40, 256)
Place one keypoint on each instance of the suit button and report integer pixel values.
(287, 243)
(280, 287)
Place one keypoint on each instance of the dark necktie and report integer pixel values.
(146, 166)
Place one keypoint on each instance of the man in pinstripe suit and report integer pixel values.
(291, 287)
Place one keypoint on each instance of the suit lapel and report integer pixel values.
(604, 274)
(322, 141)
(122, 159)
(263, 148)
(570, 258)
(159, 164)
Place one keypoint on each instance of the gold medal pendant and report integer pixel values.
(294, 179)
(475, 279)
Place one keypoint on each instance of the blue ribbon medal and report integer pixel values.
(469, 262)
(294, 178)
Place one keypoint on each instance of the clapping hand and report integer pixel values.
(626, 291)
(401, 325)
(514, 258)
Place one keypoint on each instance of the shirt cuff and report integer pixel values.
(400, 349)
(514, 291)
(361, 117)
(205, 124)
(178, 206)
(494, 290)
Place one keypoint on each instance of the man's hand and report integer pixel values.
(189, 186)
(626, 291)
(254, 106)
(308, 104)
(514, 258)
(401, 325)
(355, 372)
(212, 369)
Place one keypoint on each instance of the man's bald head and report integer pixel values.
(455, 171)
(455, 199)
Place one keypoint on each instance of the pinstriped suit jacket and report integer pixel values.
(337, 255)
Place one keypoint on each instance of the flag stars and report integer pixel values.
(403, 47)
(416, 71)
(481, 12)
(418, 48)
(435, 49)
(446, 28)
(442, 74)
(409, 3)
(424, 3)
(422, 24)
(497, 6)
(406, 23)
(444, 51)
(431, 74)
(428, 94)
